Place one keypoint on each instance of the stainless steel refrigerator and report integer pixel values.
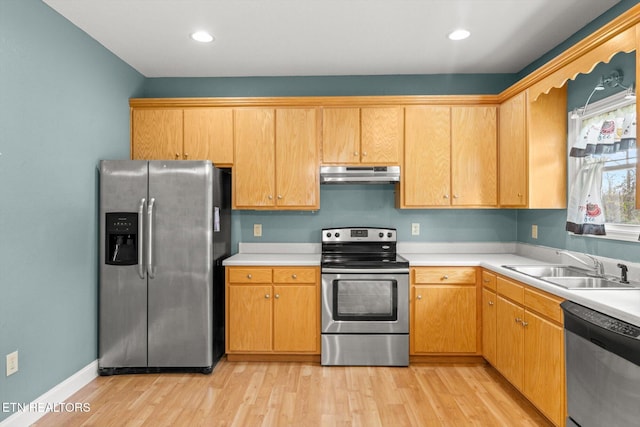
(164, 232)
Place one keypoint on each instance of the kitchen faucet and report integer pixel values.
(597, 266)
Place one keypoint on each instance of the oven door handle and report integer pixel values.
(366, 270)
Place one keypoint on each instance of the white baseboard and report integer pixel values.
(56, 396)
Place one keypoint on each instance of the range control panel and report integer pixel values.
(365, 234)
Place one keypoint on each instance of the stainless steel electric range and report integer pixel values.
(365, 298)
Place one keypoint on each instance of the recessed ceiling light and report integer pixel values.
(459, 34)
(202, 36)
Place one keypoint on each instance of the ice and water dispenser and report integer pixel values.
(122, 238)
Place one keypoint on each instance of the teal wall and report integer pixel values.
(63, 106)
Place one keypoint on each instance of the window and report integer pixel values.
(605, 137)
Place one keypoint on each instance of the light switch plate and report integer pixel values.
(415, 229)
(534, 231)
(12, 363)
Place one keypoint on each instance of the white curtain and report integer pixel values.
(585, 214)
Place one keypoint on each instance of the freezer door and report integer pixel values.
(180, 225)
(123, 288)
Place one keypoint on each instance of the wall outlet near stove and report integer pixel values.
(12, 363)
(415, 229)
(257, 230)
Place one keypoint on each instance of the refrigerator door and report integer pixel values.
(123, 288)
(180, 224)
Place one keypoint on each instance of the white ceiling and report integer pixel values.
(328, 37)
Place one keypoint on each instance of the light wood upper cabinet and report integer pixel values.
(183, 134)
(254, 166)
(156, 134)
(474, 153)
(533, 150)
(276, 159)
(368, 135)
(208, 135)
(427, 156)
(450, 157)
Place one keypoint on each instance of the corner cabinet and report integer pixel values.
(533, 150)
(444, 311)
(272, 311)
(367, 135)
(450, 157)
(182, 134)
(530, 345)
(276, 159)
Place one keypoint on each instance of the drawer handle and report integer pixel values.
(445, 277)
(249, 276)
(294, 276)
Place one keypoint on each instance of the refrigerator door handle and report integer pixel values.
(141, 271)
(150, 271)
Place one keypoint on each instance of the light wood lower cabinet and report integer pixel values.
(271, 310)
(530, 345)
(489, 313)
(444, 311)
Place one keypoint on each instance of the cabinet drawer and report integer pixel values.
(511, 290)
(294, 275)
(249, 275)
(545, 304)
(442, 275)
(489, 280)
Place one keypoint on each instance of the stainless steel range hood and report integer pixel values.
(359, 174)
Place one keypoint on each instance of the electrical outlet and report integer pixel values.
(257, 230)
(415, 229)
(534, 231)
(12, 363)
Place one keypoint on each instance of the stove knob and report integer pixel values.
(381, 235)
(337, 234)
(328, 234)
(389, 234)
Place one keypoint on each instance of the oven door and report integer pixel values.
(365, 303)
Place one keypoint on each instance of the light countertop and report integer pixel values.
(622, 304)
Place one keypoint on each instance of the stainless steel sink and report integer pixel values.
(550, 270)
(588, 283)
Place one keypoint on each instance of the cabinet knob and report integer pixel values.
(279, 196)
(267, 296)
(294, 276)
(486, 281)
(186, 156)
(518, 320)
(524, 324)
(445, 277)
(270, 197)
(446, 196)
(364, 153)
(249, 276)
(277, 296)
(355, 153)
(519, 194)
(419, 297)
(490, 302)
(177, 156)
(455, 196)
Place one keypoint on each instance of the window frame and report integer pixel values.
(624, 232)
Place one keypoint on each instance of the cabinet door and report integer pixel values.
(156, 134)
(340, 135)
(295, 318)
(510, 341)
(427, 156)
(474, 156)
(254, 166)
(297, 165)
(208, 135)
(249, 317)
(489, 325)
(544, 366)
(382, 135)
(445, 319)
(513, 151)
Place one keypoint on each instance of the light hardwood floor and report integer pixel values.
(304, 394)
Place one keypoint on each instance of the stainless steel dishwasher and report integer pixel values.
(603, 368)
